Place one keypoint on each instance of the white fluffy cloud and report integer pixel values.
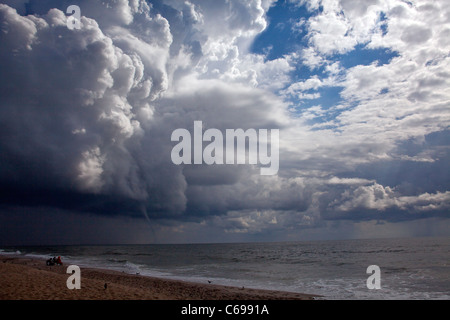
(377, 197)
(381, 103)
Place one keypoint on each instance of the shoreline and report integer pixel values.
(24, 278)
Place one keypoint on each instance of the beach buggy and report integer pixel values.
(54, 260)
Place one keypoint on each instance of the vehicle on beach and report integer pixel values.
(53, 261)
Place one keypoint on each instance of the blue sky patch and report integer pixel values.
(364, 56)
(285, 33)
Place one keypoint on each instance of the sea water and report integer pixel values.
(416, 268)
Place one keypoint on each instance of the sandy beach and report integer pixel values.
(32, 279)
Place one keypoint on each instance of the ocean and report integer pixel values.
(410, 268)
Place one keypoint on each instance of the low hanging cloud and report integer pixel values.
(86, 115)
(377, 197)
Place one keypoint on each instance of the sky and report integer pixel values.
(357, 89)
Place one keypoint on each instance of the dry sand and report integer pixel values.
(31, 279)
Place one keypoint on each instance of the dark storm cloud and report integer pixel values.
(73, 108)
(82, 122)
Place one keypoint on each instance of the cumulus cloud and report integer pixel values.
(94, 109)
(377, 197)
(75, 104)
